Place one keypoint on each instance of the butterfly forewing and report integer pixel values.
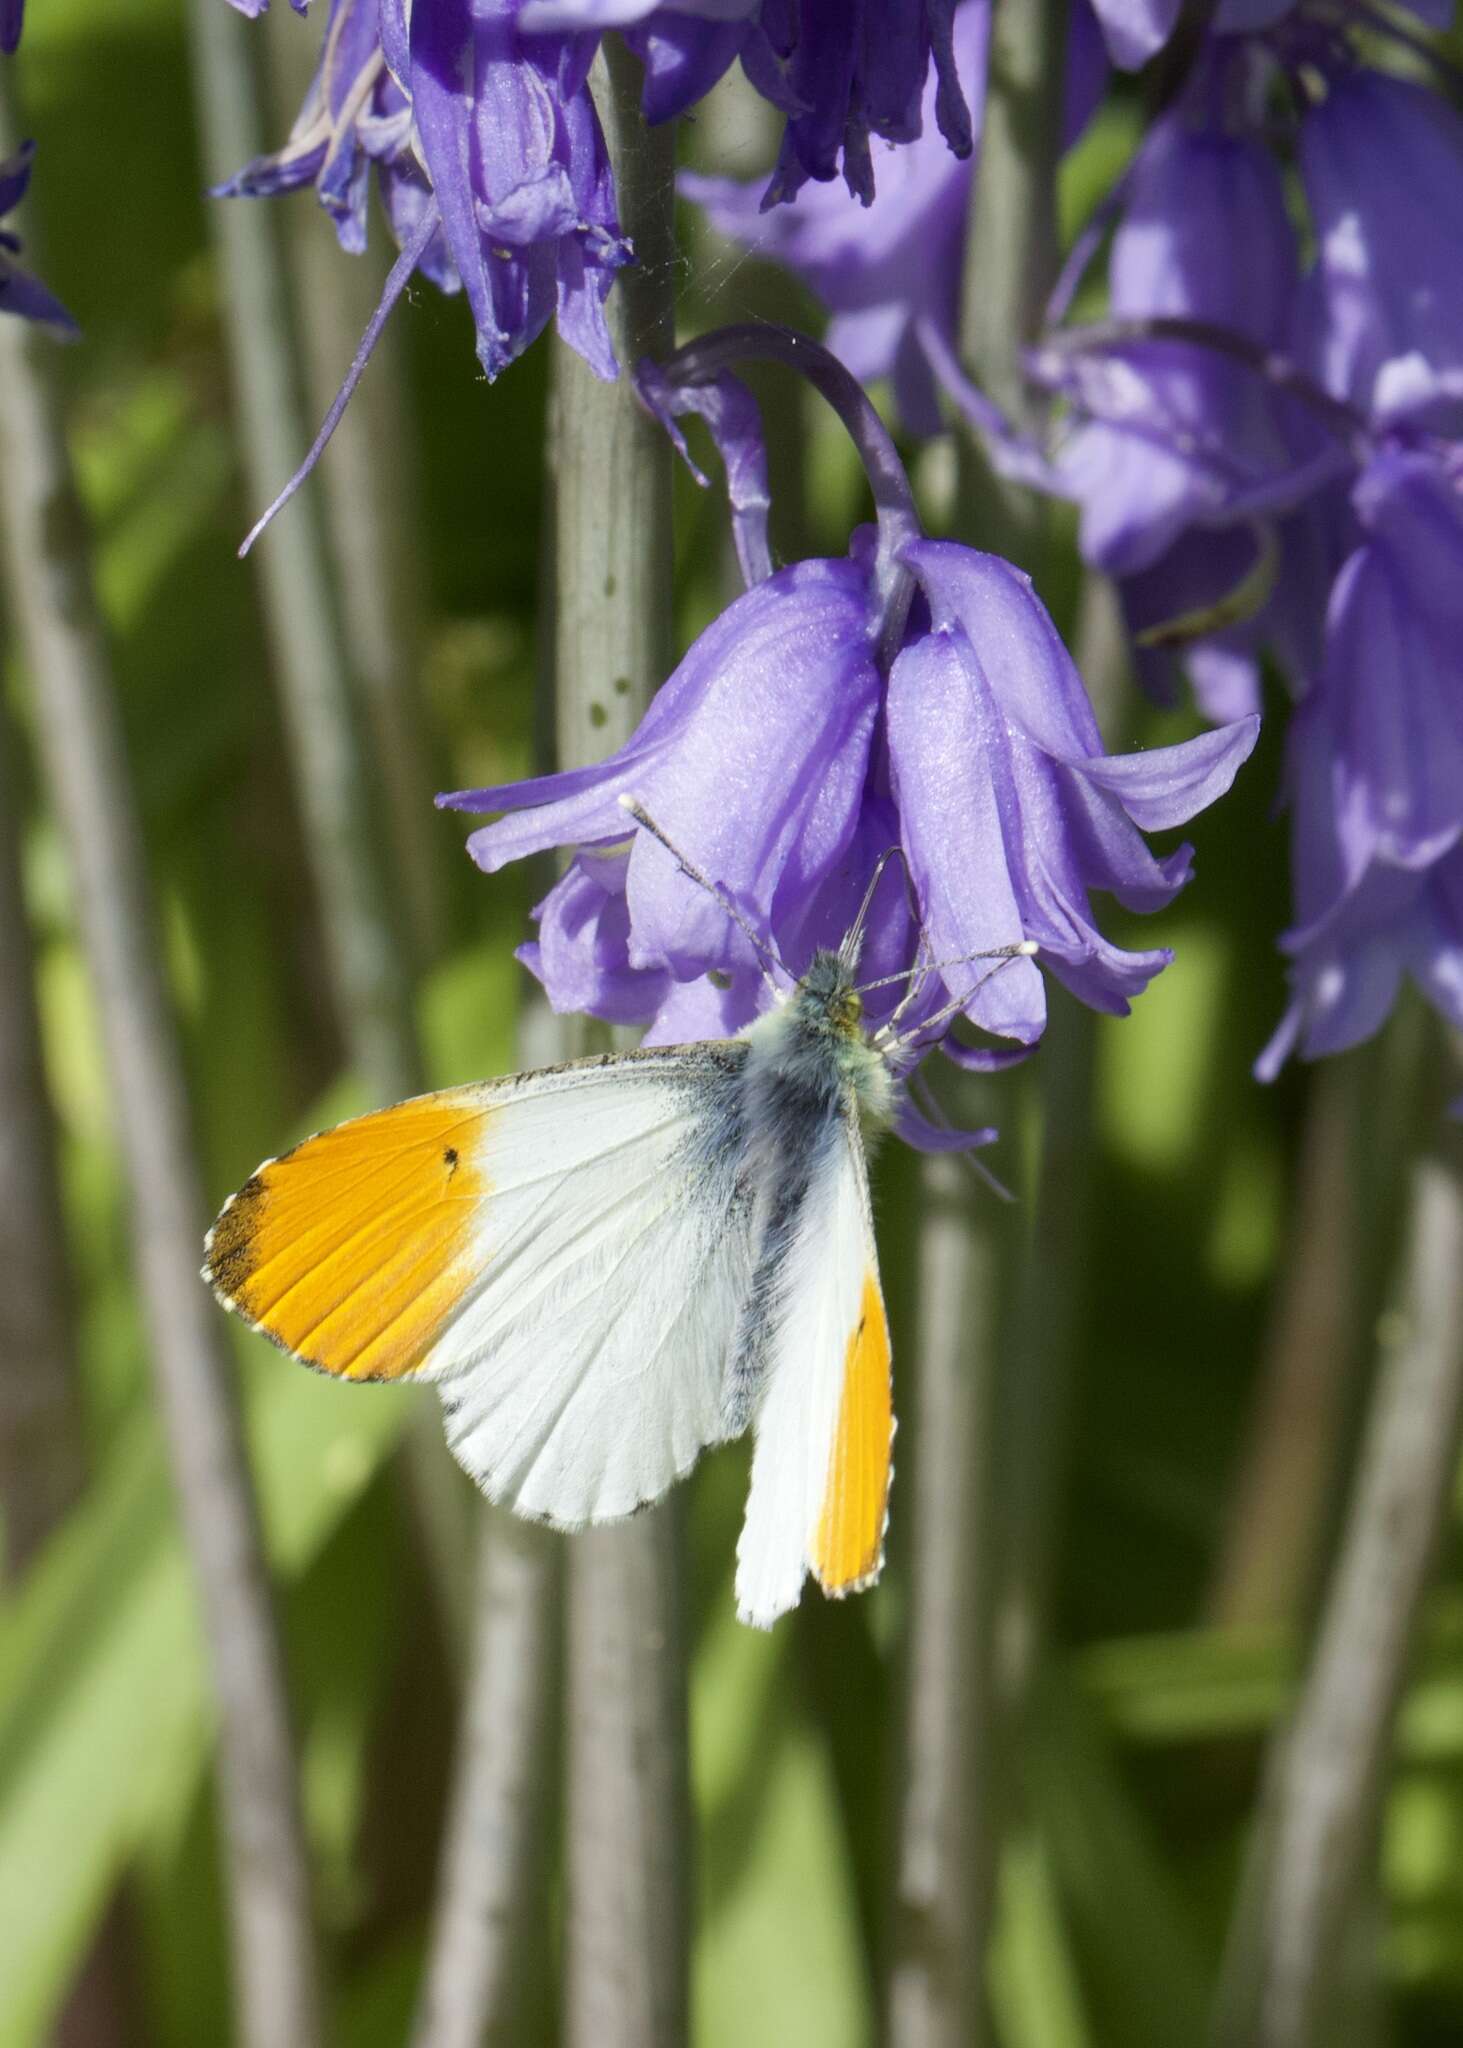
(561, 1253)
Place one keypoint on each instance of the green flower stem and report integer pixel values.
(369, 493)
(42, 1466)
(627, 1869)
(89, 780)
(952, 1795)
(323, 720)
(326, 729)
(1312, 1862)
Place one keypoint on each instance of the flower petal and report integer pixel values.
(1166, 786)
(944, 730)
(1020, 651)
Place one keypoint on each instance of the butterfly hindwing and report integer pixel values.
(562, 1254)
(824, 1424)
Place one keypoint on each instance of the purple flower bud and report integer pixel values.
(1011, 812)
(12, 16)
(1375, 771)
(883, 269)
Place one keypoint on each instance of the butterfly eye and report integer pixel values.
(853, 1007)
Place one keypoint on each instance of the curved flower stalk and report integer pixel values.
(19, 292)
(801, 739)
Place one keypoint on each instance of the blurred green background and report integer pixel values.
(1175, 1634)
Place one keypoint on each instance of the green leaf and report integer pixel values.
(1034, 1982)
(1129, 1922)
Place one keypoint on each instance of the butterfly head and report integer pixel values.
(827, 1001)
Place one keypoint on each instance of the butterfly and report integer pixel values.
(605, 1267)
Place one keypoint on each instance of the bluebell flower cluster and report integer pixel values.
(889, 273)
(1263, 439)
(1292, 430)
(913, 694)
(475, 121)
(488, 155)
(476, 118)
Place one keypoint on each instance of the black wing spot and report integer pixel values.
(449, 1160)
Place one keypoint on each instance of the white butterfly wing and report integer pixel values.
(562, 1254)
(821, 1468)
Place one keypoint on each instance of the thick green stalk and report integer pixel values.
(491, 1911)
(368, 488)
(1012, 254)
(327, 732)
(1267, 1567)
(323, 719)
(627, 1866)
(90, 785)
(1034, 1409)
(1313, 1859)
(946, 1819)
(949, 1798)
(41, 1461)
(42, 1451)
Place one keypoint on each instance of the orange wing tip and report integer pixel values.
(839, 1589)
(351, 1251)
(848, 1544)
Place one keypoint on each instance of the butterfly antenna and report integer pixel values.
(689, 869)
(886, 1038)
(853, 938)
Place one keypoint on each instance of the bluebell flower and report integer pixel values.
(841, 71)
(490, 159)
(799, 740)
(1392, 669)
(1357, 936)
(1382, 164)
(890, 273)
(492, 169)
(12, 17)
(1169, 435)
(19, 292)
(1138, 29)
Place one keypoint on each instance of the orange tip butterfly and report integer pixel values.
(607, 1266)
